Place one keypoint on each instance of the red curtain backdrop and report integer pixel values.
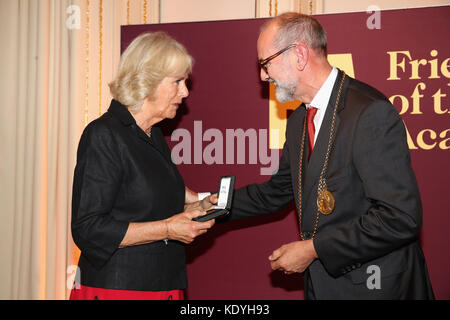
(407, 58)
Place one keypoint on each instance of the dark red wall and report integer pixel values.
(231, 261)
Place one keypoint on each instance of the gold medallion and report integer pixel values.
(325, 202)
(325, 199)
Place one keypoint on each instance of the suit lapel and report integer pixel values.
(315, 163)
(297, 146)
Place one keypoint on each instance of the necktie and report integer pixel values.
(310, 113)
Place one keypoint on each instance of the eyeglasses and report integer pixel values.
(263, 62)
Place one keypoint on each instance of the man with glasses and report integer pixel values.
(346, 164)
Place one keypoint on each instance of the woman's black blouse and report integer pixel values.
(124, 176)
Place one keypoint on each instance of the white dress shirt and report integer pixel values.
(321, 99)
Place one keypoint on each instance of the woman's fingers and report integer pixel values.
(184, 229)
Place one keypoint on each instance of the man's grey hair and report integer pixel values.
(295, 27)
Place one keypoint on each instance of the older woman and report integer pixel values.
(128, 216)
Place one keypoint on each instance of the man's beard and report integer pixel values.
(285, 91)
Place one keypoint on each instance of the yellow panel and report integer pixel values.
(342, 61)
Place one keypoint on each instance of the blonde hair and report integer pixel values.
(144, 64)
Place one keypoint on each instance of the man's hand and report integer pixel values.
(293, 257)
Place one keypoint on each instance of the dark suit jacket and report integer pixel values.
(123, 176)
(378, 213)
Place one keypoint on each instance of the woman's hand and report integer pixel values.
(203, 205)
(180, 227)
(190, 196)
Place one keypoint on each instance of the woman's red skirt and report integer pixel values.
(81, 292)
